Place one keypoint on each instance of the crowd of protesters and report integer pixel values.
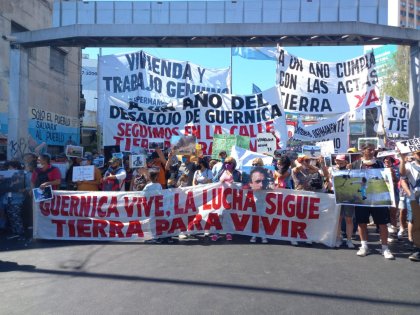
(166, 170)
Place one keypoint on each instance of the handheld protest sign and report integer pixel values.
(82, 173)
(312, 151)
(99, 162)
(42, 194)
(370, 187)
(183, 145)
(156, 144)
(223, 142)
(137, 160)
(118, 155)
(266, 143)
(372, 140)
(407, 146)
(74, 151)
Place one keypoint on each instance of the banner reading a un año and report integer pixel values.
(130, 216)
(202, 115)
(151, 81)
(322, 88)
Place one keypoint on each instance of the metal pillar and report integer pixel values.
(18, 104)
(414, 122)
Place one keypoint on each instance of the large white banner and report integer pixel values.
(395, 117)
(149, 81)
(201, 115)
(132, 216)
(335, 128)
(323, 88)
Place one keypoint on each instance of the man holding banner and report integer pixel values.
(380, 215)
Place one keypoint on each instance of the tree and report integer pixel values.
(396, 81)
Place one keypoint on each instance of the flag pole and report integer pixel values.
(231, 70)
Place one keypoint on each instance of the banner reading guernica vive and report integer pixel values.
(201, 115)
(132, 216)
(324, 88)
(151, 81)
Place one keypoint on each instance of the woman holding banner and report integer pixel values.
(229, 175)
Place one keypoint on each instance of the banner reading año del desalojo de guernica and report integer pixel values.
(325, 88)
(213, 208)
(150, 81)
(335, 128)
(201, 114)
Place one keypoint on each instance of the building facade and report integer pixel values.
(52, 92)
(404, 13)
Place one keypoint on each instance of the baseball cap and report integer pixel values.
(340, 157)
(114, 159)
(352, 150)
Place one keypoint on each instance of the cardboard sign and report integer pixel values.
(266, 143)
(81, 173)
(407, 146)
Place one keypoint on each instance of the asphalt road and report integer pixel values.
(198, 277)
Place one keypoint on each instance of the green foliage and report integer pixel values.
(396, 81)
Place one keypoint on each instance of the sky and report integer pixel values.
(245, 72)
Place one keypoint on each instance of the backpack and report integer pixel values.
(315, 180)
(42, 176)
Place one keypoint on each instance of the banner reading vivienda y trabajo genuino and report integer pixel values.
(202, 115)
(217, 208)
(324, 88)
(150, 81)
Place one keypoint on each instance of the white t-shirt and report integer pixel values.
(202, 177)
(152, 186)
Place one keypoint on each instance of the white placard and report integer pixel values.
(81, 173)
(327, 147)
(266, 143)
(407, 146)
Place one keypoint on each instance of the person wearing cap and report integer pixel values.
(410, 183)
(114, 176)
(90, 185)
(45, 174)
(218, 168)
(380, 215)
(346, 211)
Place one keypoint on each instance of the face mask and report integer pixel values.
(184, 160)
(369, 162)
(39, 165)
(229, 167)
(223, 160)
